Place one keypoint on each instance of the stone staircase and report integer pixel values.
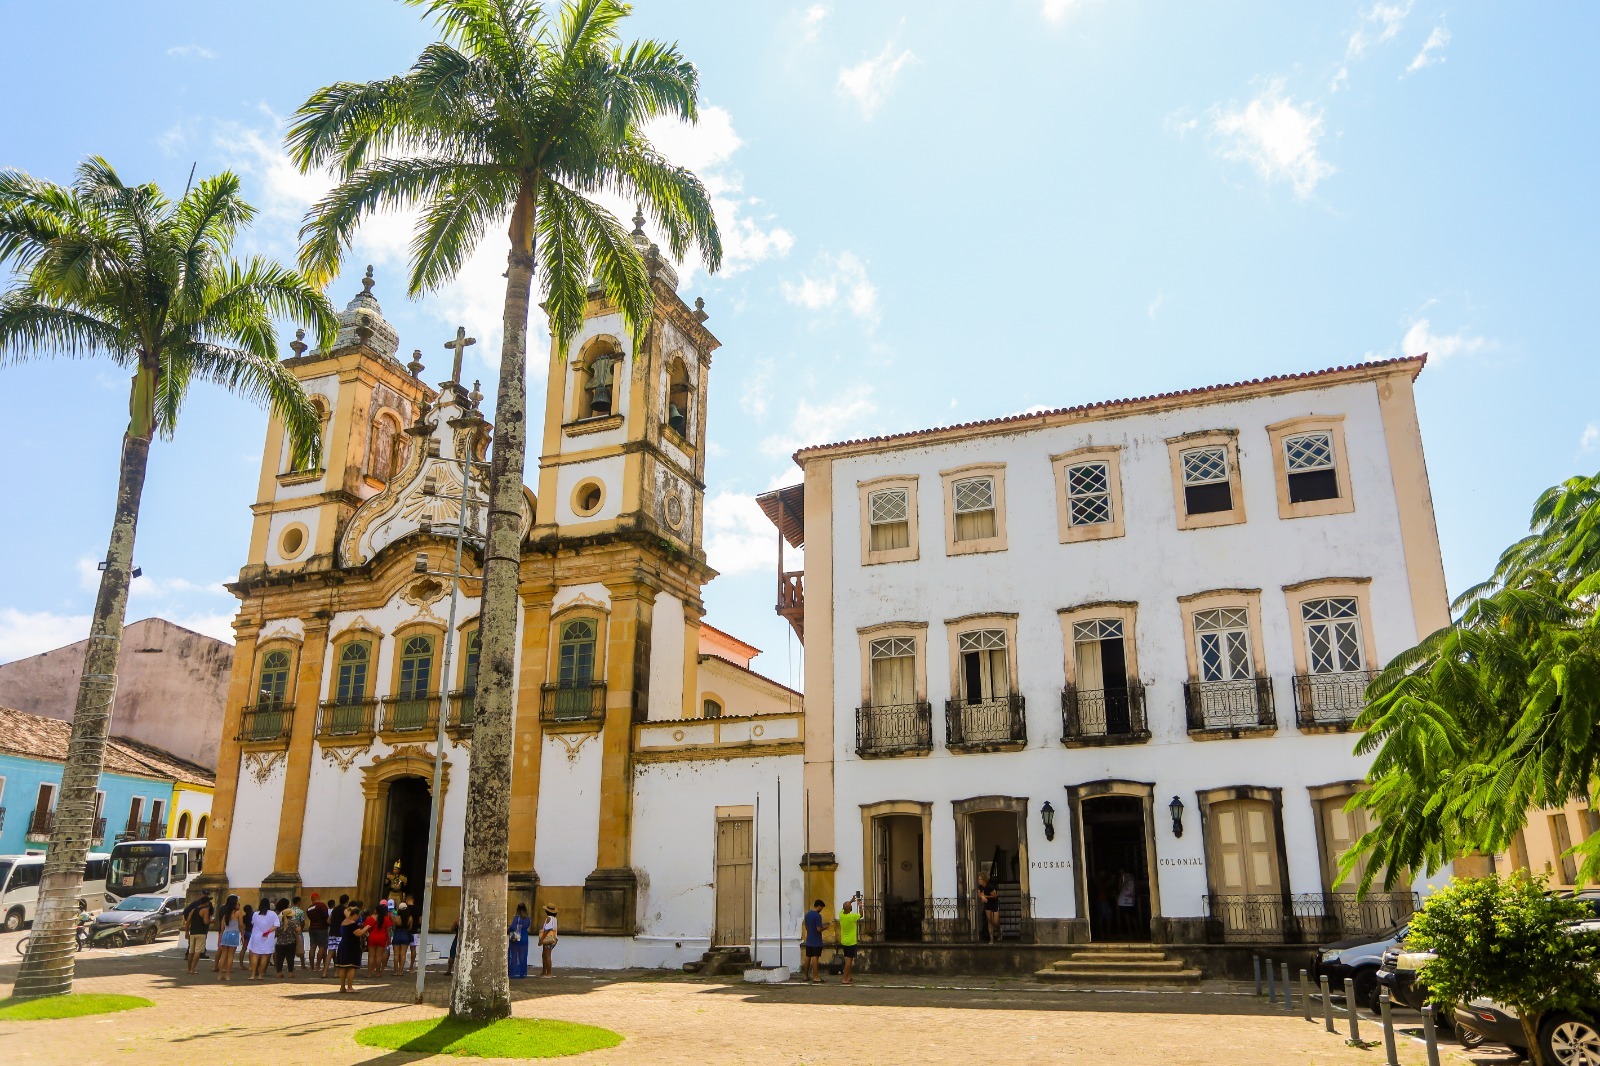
(719, 961)
(1096, 966)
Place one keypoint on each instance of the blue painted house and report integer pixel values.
(135, 794)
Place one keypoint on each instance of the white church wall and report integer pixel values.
(309, 517)
(330, 848)
(667, 635)
(253, 837)
(609, 471)
(593, 591)
(567, 848)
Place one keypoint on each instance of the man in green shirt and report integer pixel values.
(849, 920)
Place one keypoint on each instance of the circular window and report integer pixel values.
(292, 541)
(675, 512)
(587, 497)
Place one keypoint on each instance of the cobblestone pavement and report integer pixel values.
(672, 1020)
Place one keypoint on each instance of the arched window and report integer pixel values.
(300, 464)
(679, 394)
(416, 667)
(354, 658)
(183, 826)
(575, 663)
(274, 686)
(597, 384)
(386, 450)
(469, 662)
(200, 830)
(711, 709)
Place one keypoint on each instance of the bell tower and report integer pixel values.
(625, 427)
(366, 400)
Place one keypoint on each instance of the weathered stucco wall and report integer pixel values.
(172, 684)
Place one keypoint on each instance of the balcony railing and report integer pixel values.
(2, 819)
(1230, 706)
(1308, 918)
(792, 600)
(894, 729)
(153, 829)
(463, 708)
(39, 824)
(346, 718)
(266, 722)
(98, 836)
(1330, 701)
(1103, 715)
(409, 714)
(944, 920)
(985, 723)
(572, 702)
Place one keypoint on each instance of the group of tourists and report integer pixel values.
(325, 937)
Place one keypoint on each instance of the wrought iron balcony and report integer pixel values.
(409, 714)
(266, 721)
(982, 724)
(1091, 716)
(894, 729)
(1230, 708)
(98, 834)
(346, 718)
(1304, 918)
(583, 701)
(1330, 702)
(2, 819)
(153, 829)
(463, 709)
(40, 823)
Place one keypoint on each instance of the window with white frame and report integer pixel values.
(1099, 657)
(1222, 644)
(1308, 459)
(985, 671)
(1333, 635)
(1089, 494)
(1206, 486)
(893, 676)
(889, 516)
(974, 509)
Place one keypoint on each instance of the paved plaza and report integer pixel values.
(672, 1020)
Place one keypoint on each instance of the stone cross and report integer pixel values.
(460, 346)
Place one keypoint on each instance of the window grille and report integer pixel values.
(1333, 634)
(983, 640)
(1205, 466)
(1089, 494)
(889, 505)
(974, 494)
(1223, 643)
(892, 648)
(1097, 629)
(1309, 461)
(889, 519)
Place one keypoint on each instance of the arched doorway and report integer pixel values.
(406, 833)
(183, 826)
(395, 823)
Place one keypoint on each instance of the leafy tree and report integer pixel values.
(516, 118)
(1509, 940)
(1496, 714)
(102, 268)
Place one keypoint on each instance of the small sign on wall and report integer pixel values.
(447, 876)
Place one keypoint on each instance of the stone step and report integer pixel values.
(1085, 978)
(1119, 956)
(1110, 966)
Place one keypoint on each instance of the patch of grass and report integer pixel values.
(75, 1005)
(509, 1038)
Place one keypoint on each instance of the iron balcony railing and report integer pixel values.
(346, 718)
(1104, 715)
(985, 723)
(894, 729)
(409, 714)
(40, 822)
(944, 920)
(266, 721)
(98, 835)
(1330, 700)
(2, 819)
(152, 829)
(1227, 706)
(572, 701)
(1304, 918)
(463, 708)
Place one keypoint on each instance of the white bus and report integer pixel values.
(152, 866)
(19, 885)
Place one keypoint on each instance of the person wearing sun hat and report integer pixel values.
(547, 939)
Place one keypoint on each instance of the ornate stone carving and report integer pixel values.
(342, 757)
(573, 743)
(422, 592)
(358, 622)
(261, 765)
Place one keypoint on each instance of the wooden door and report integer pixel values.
(1244, 872)
(1340, 830)
(733, 881)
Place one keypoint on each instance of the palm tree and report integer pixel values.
(101, 268)
(516, 118)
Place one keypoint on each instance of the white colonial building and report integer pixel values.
(1109, 654)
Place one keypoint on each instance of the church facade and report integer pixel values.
(647, 754)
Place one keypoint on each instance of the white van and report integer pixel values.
(19, 885)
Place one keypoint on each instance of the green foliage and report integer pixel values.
(102, 268)
(1507, 939)
(1496, 714)
(71, 1006)
(510, 1038)
(516, 116)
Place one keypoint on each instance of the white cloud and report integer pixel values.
(811, 22)
(1591, 437)
(25, 633)
(1155, 305)
(824, 423)
(1058, 10)
(1275, 136)
(1340, 80)
(869, 81)
(1380, 24)
(1439, 346)
(1427, 57)
(756, 396)
(842, 281)
(739, 538)
(191, 51)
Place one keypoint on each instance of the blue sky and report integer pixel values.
(936, 212)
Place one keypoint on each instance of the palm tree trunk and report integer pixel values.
(482, 988)
(47, 969)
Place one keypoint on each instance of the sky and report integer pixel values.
(932, 213)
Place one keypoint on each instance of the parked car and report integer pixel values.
(1398, 973)
(1358, 958)
(1483, 1021)
(137, 919)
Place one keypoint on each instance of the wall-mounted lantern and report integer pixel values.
(1176, 809)
(1047, 814)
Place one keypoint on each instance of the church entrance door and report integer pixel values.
(406, 834)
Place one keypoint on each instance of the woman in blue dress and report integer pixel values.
(517, 943)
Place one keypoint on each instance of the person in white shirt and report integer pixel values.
(547, 940)
(263, 939)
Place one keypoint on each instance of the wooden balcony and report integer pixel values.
(792, 601)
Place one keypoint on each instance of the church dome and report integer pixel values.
(363, 310)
